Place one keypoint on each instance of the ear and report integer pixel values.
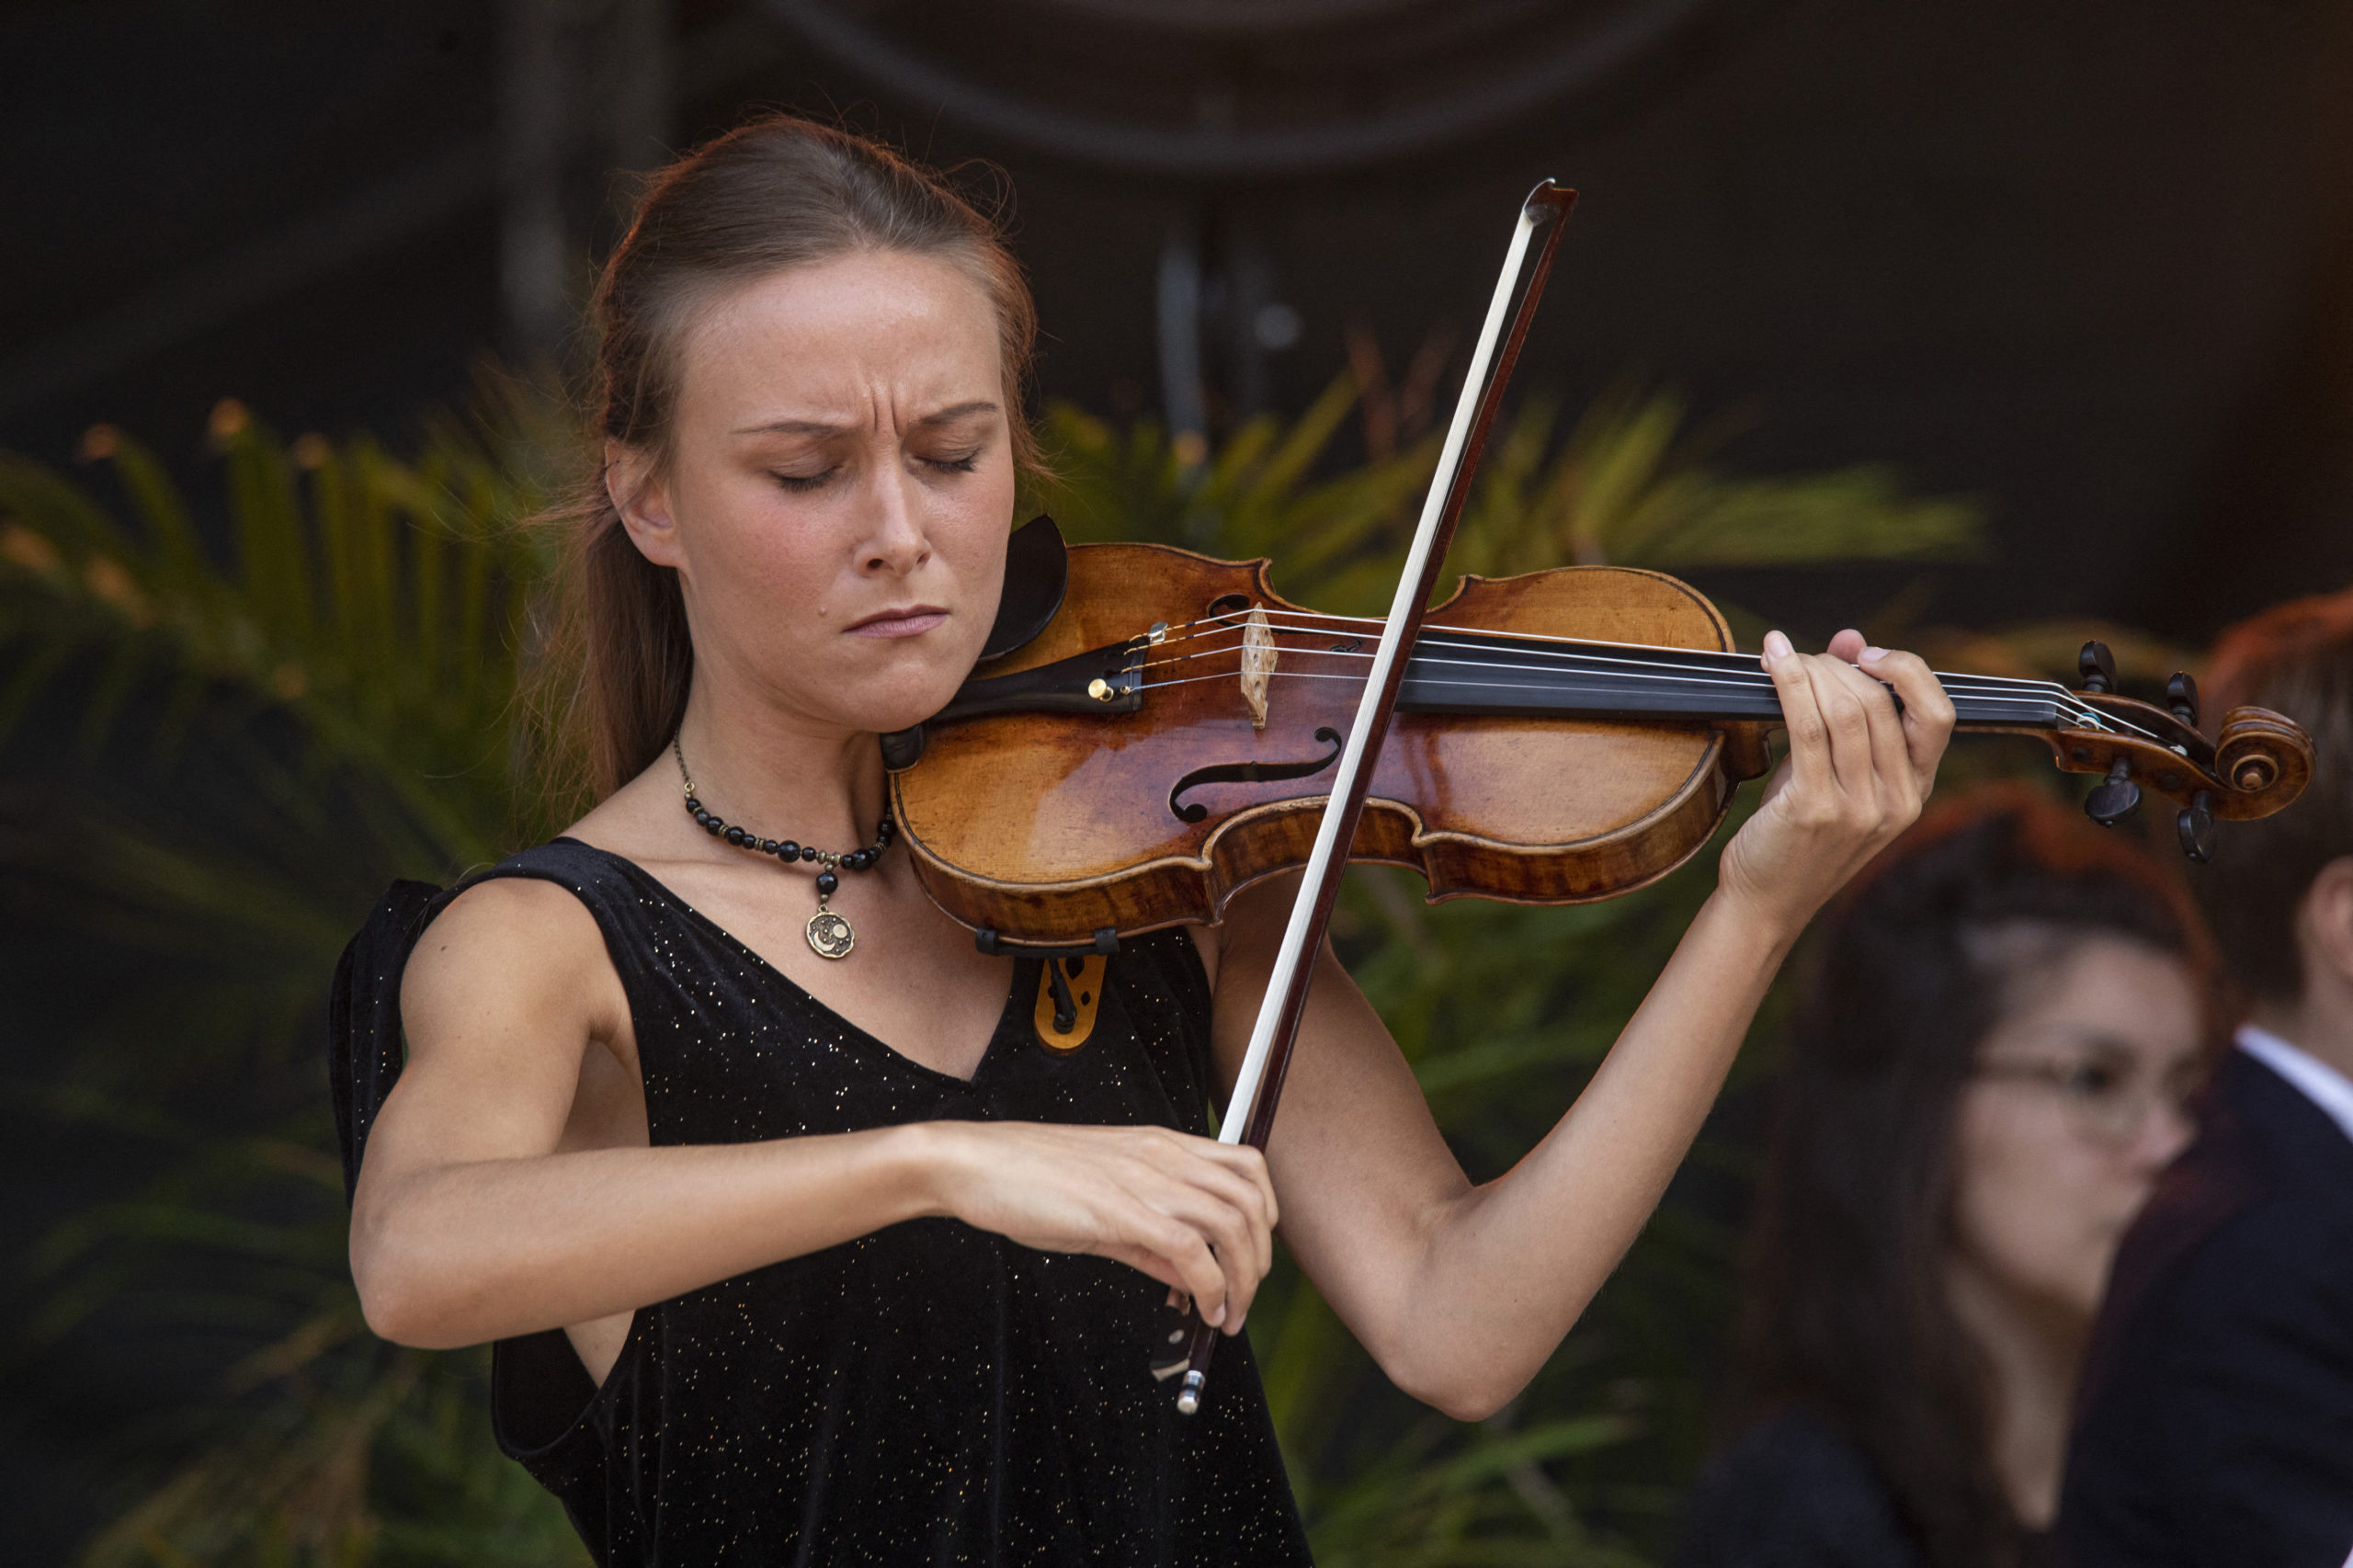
(642, 499)
(2325, 924)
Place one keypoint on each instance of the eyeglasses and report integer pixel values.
(2110, 1095)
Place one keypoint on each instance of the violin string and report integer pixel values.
(1465, 685)
(1992, 689)
(1580, 648)
(1423, 658)
(1997, 688)
(2051, 689)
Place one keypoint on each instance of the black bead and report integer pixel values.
(808, 852)
(827, 882)
(713, 826)
(854, 861)
(734, 836)
(767, 846)
(694, 807)
(788, 850)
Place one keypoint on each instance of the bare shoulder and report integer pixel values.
(509, 949)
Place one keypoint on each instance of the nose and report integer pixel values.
(895, 543)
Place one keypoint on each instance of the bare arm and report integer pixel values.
(1461, 1292)
(479, 1215)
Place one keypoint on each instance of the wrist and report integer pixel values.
(1764, 922)
(928, 1160)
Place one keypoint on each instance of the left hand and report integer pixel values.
(1856, 775)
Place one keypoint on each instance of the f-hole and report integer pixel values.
(1250, 773)
(1227, 604)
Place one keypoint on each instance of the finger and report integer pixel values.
(1254, 1161)
(1848, 646)
(1239, 1162)
(1894, 792)
(1927, 709)
(1198, 1273)
(1239, 1248)
(1248, 1204)
(1848, 725)
(1143, 1260)
(1809, 759)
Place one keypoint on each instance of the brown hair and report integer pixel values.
(2296, 658)
(774, 194)
(1845, 1313)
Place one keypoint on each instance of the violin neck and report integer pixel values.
(1474, 673)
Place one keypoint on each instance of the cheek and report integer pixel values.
(742, 529)
(2032, 1207)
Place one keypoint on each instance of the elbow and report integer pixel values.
(1457, 1388)
(397, 1295)
(1472, 1400)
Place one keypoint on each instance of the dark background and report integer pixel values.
(2091, 262)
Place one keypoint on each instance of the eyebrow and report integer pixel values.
(821, 427)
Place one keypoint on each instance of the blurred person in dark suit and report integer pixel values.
(2216, 1421)
(1992, 1058)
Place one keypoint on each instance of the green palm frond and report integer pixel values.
(347, 680)
(1625, 487)
(378, 605)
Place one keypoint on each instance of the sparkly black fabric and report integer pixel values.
(928, 1394)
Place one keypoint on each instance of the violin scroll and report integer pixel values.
(2261, 762)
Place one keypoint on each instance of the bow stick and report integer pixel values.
(1250, 1115)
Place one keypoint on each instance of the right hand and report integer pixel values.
(1193, 1213)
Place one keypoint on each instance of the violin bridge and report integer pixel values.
(1258, 664)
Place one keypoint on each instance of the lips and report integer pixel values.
(910, 621)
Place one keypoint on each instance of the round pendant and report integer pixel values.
(831, 935)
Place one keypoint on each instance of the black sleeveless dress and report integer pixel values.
(927, 1394)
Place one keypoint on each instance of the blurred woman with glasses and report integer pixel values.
(1993, 1056)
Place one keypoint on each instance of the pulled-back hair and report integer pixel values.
(2296, 658)
(1844, 1312)
(770, 196)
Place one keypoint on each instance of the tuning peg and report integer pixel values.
(2181, 696)
(2196, 825)
(2113, 798)
(2097, 667)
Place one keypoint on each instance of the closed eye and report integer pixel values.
(801, 483)
(964, 464)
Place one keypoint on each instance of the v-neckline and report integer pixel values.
(671, 895)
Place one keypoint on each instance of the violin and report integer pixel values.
(1149, 729)
(1169, 735)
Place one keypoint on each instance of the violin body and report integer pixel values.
(1047, 827)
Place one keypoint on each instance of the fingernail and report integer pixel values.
(1873, 656)
(1775, 645)
(1238, 1323)
(1217, 1318)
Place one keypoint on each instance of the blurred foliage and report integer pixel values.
(261, 747)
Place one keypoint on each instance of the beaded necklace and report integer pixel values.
(829, 933)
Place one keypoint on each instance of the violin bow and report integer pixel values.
(1250, 1114)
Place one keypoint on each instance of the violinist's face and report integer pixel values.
(839, 488)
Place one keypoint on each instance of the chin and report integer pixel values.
(905, 698)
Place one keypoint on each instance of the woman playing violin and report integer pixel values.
(798, 1258)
